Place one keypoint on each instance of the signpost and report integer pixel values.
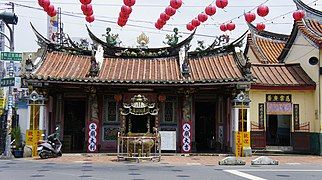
(10, 56)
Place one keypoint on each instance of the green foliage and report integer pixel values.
(17, 136)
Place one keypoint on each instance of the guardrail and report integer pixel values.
(139, 147)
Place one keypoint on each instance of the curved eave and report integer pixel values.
(220, 50)
(173, 50)
(282, 87)
(41, 38)
(205, 82)
(268, 34)
(288, 44)
(313, 13)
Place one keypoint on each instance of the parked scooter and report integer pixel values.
(50, 147)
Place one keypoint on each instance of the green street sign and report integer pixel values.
(11, 56)
(5, 82)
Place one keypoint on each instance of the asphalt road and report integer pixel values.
(25, 169)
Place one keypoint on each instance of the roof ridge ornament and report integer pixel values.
(173, 39)
(111, 39)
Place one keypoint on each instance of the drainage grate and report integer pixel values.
(45, 167)
(134, 174)
(50, 163)
(87, 170)
(87, 163)
(283, 175)
(176, 170)
(168, 166)
(164, 163)
(137, 179)
(43, 170)
(11, 163)
(85, 176)
(37, 175)
(133, 169)
(183, 176)
(218, 169)
(4, 166)
(86, 166)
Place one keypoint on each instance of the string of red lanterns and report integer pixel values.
(298, 15)
(168, 12)
(87, 9)
(221, 3)
(125, 12)
(202, 17)
(48, 7)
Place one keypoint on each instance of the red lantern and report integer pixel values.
(41, 3)
(90, 19)
(190, 27)
(126, 9)
(202, 17)
(45, 3)
(210, 10)
(52, 13)
(262, 10)
(176, 4)
(158, 26)
(86, 8)
(221, 3)
(123, 15)
(85, 1)
(46, 8)
(88, 12)
(50, 8)
(260, 26)
(223, 27)
(161, 22)
(170, 11)
(230, 26)
(250, 17)
(298, 15)
(121, 22)
(129, 2)
(164, 16)
(195, 22)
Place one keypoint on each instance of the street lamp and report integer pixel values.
(9, 18)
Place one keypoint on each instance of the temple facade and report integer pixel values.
(203, 97)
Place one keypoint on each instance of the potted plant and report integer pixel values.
(16, 146)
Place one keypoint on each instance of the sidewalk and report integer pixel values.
(179, 159)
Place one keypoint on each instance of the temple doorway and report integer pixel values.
(205, 131)
(278, 130)
(74, 126)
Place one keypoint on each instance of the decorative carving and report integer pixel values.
(201, 46)
(172, 39)
(220, 41)
(139, 106)
(183, 55)
(143, 40)
(111, 39)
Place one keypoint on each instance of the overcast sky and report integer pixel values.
(145, 13)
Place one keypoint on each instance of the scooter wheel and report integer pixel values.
(43, 156)
(59, 154)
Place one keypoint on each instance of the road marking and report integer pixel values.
(193, 164)
(280, 170)
(293, 163)
(244, 175)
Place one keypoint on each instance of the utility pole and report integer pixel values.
(9, 18)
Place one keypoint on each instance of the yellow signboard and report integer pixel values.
(246, 139)
(238, 150)
(2, 103)
(32, 138)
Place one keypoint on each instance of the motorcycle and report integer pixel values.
(50, 147)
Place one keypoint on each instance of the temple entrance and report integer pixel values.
(140, 123)
(278, 130)
(205, 126)
(74, 126)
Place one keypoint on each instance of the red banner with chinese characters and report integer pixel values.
(92, 142)
(186, 129)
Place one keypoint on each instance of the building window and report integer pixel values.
(110, 109)
(169, 110)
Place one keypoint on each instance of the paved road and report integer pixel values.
(83, 170)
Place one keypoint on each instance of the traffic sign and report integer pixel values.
(10, 56)
(10, 81)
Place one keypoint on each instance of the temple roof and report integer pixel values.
(279, 76)
(61, 67)
(266, 46)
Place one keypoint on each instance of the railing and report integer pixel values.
(139, 147)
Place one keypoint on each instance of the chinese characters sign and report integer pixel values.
(10, 56)
(92, 137)
(296, 116)
(279, 108)
(186, 137)
(278, 98)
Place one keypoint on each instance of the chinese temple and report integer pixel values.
(204, 97)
